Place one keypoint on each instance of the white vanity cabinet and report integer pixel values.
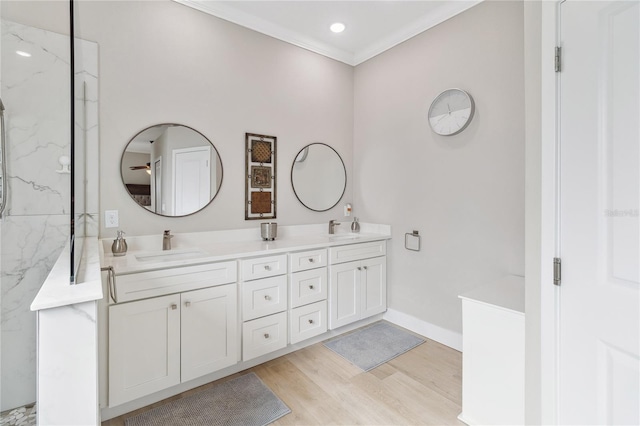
(264, 305)
(159, 342)
(172, 321)
(308, 294)
(358, 282)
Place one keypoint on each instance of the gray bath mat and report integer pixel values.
(374, 345)
(241, 401)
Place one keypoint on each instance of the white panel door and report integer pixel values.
(374, 286)
(599, 347)
(144, 347)
(192, 179)
(344, 293)
(156, 182)
(209, 330)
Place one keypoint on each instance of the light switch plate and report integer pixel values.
(111, 219)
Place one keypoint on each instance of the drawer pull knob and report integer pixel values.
(266, 335)
(187, 304)
(365, 268)
(267, 268)
(359, 268)
(311, 260)
(174, 306)
(310, 321)
(267, 297)
(311, 287)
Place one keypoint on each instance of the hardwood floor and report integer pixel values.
(420, 387)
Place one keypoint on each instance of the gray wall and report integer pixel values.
(464, 193)
(163, 62)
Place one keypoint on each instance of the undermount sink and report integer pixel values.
(341, 237)
(170, 255)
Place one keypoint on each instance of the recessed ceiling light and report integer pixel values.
(25, 54)
(338, 27)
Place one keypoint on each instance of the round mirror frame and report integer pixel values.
(344, 189)
(173, 125)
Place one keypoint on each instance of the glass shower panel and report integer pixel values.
(85, 164)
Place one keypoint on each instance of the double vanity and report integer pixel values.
(223, 301)
(155, 323)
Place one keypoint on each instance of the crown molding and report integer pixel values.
(231, 14)
(265, 27)
(447, 11)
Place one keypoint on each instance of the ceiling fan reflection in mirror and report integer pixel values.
(146, 167)
(143, 147)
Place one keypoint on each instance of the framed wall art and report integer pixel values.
(260, 177)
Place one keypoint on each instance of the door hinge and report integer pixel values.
(557, 270)
(558, 60)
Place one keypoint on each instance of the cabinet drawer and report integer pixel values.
(308, 287)
(174, 280)
(308, 321)
(264, 335)
(263, 267)
(348, 253)
(305, 260)
(264, 297)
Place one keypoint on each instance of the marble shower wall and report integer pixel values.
(35, 227)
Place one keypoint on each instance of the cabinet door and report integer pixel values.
(209, 330)
(144, 347)
(344, 294)
(374, 286)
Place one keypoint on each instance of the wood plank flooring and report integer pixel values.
(420, 387)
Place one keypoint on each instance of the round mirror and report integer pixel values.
(171, 170)
(319, 177)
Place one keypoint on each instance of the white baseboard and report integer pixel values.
(428, 330)
(464, 420)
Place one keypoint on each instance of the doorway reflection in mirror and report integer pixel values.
(171, 170)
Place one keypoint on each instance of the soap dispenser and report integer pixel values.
(355, 225)
(119, 246)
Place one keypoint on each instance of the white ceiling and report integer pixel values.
(372, 26)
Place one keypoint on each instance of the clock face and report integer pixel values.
(451, 112)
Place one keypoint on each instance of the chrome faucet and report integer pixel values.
(166, 240)
(332, 226)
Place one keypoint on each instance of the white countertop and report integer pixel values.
(56, 291)
(506, 293)
(217, 246)
(212, 247)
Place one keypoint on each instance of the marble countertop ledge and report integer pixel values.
(56, 291)
(506, 293)
(215, 246)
